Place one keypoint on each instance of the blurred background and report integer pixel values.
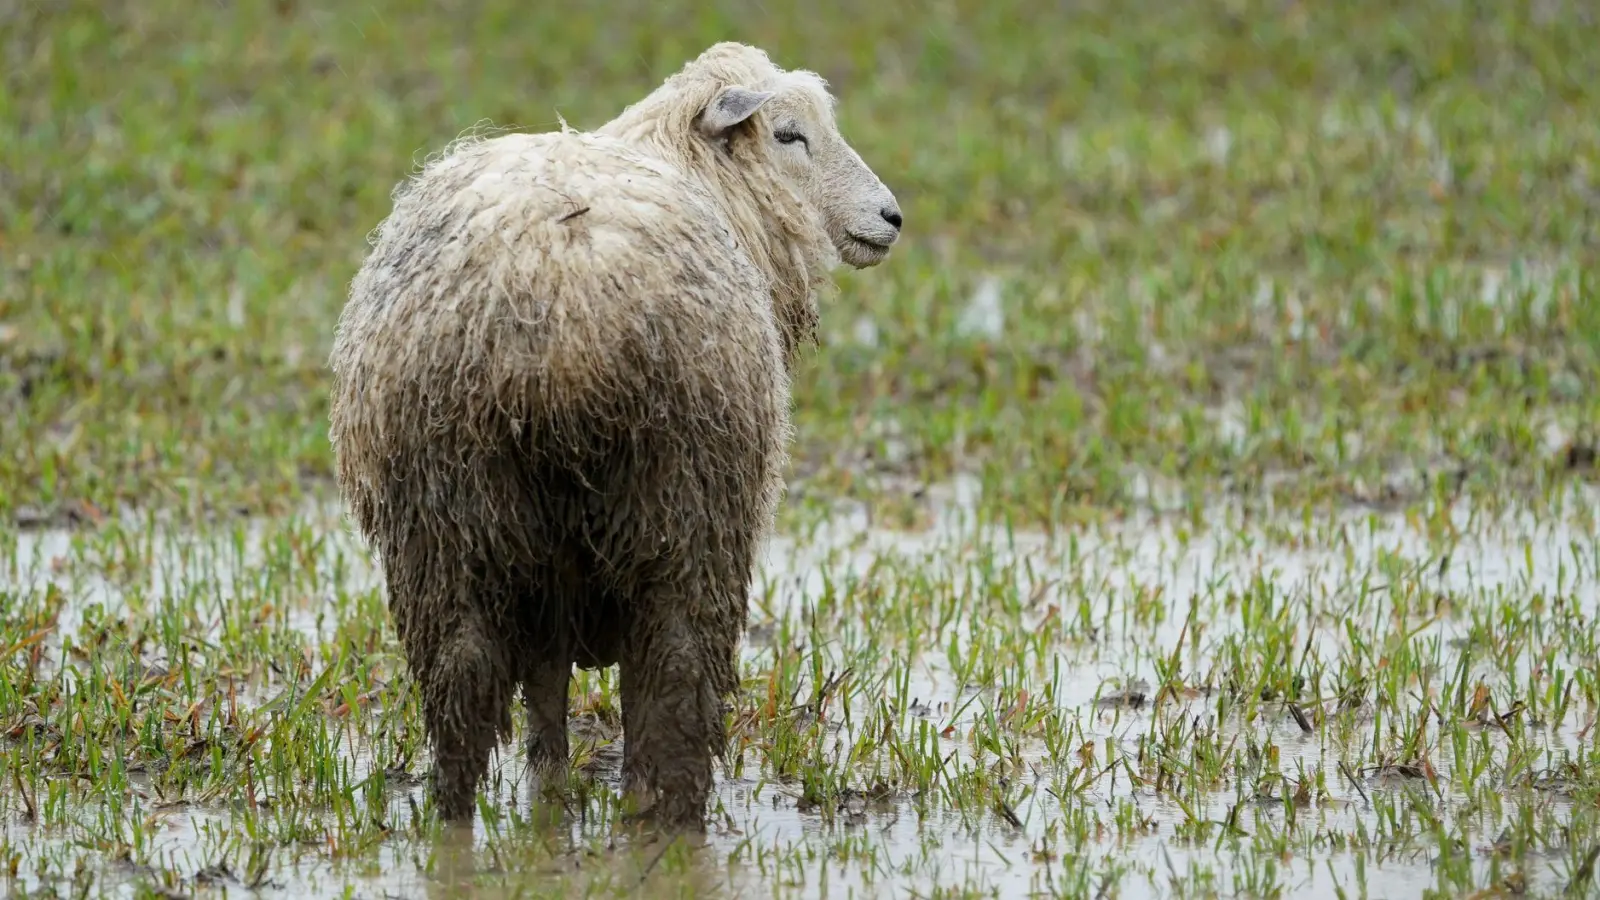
(1334, 249)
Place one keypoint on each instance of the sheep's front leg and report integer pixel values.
(544, 689)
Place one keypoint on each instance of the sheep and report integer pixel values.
(560, 409)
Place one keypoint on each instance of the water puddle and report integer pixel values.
(1227, 703)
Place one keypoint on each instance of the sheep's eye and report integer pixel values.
(789, 137)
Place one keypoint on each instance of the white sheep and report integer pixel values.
(560, 408)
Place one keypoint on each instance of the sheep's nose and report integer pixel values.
(892, 216)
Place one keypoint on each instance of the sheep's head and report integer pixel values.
(792, 114)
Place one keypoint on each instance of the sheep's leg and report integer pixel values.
(671, 720)
(466, 695)
(544, 690)
(553, 635)
(679, 659)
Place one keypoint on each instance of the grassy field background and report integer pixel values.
(1170, 260)
(1288, 210)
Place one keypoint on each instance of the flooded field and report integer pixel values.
(1201, 703)
(1199, 502)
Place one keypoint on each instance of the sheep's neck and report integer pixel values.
(788, 247)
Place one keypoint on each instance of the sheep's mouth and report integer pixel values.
(862, 252)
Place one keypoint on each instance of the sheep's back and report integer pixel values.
(553, 294)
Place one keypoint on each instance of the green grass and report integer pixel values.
(188, 188)
(957, 709)
(1299, 300)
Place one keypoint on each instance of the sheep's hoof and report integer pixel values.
(548, 811)
(453, 805)
(666, 817)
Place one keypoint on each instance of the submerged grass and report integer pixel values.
(1356, 705)
(1256, 340)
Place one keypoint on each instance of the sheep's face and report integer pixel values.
(859, 213)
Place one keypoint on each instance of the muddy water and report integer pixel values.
(770, 843)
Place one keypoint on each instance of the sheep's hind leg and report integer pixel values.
(466, 695)
(670, 720)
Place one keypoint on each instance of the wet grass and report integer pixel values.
(1353, 703)
(1260, 338)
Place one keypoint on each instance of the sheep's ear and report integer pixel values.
(732, 106)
